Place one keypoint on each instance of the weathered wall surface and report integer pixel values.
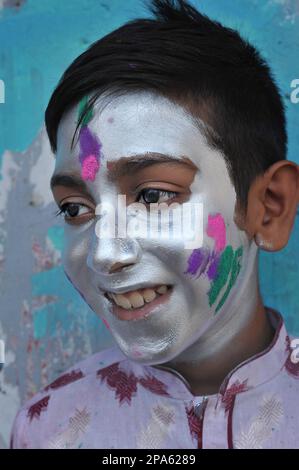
(45, 324)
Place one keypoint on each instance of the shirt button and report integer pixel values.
(199, 406)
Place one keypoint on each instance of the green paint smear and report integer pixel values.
(224, 267)
(236, 266)
(83, 110)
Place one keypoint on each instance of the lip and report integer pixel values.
(142, 312)
(125, 289)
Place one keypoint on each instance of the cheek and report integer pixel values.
(216, 263)
(75, 252)
(76, 276)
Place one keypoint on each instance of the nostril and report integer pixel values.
(108, 257)
(118, 267)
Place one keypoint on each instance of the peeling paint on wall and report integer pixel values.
(45, 324)
(16, 4)
(290, 9)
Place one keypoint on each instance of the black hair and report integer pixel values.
(196, 62)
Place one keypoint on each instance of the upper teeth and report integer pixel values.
(137, 298)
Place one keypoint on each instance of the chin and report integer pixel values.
(148, 356)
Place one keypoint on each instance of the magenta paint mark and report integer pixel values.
(90, 166)
(110, 120)
(216, 229)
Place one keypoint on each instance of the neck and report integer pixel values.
(242, 331)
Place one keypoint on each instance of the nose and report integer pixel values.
(108, 256)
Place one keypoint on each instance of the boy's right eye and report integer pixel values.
(75, 213)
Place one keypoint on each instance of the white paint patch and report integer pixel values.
(290, 9)
(42, 170)
(9, 399)
(9, 171)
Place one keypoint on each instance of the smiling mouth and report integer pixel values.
(136, 304)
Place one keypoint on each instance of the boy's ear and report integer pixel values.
(273, 199)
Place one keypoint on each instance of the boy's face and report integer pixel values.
(172, 163)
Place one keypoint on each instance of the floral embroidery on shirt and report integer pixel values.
(36, 409)
(232, 391)
(268, 418)
(154, 385)
(160, 412)
(76, 428)
(125, 384)
(160, 425)
(193, 421)
(65, 379)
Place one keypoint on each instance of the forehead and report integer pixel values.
(135, 123)
(139, 123)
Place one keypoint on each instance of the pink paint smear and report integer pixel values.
(90, 166)
(216, 229)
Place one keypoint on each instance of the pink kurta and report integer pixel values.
(110, 402)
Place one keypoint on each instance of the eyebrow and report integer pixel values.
(137, 162)
(121, 167)
(69, 181)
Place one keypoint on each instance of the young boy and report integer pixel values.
(177, 110)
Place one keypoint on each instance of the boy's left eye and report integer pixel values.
(154, 195)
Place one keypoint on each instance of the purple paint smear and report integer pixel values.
(89, 153)
(212, 271)
(197, 260)
(202, 258)
(89, 144)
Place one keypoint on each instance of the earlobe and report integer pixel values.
(272, 205)
(263, 244)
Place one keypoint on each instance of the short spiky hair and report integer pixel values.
(198, 63)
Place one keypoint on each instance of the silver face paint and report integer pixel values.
(186, 327)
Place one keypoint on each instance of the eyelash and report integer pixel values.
(161, 192)
(64, 207)
(62, 210)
